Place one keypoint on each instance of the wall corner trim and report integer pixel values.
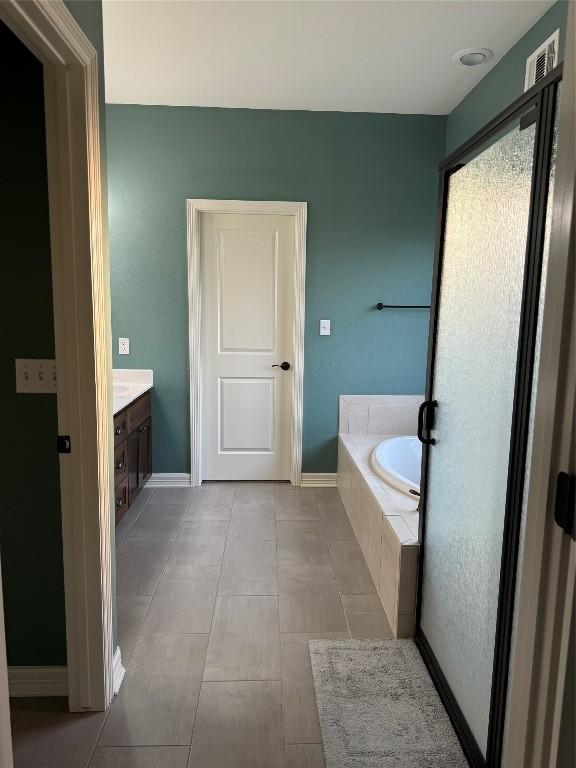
(169, 480)
(118, 670)
(37, 681)
(318, 480)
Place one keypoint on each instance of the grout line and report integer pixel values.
(210, 632)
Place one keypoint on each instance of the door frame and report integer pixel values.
(541, 97)
(81, 299)
(548, 571)
(298, 211)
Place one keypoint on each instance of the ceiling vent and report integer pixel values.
(542, 61)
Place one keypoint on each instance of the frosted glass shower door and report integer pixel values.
(480, 300)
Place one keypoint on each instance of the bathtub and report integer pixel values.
(397, 460)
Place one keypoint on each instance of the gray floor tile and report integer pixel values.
(366, 617)
(309, 600)
(182, 607)
(249, 568)
(129, 518)
(296, 504)
(46, 735)
(328, 496)
(299, 699)
(158, 522)
(310, 512)
(350, 568)
(179, 495)
(254, 493)
(157, 702)
(336, 524)
(140, 757)
(239, 725)
(139, 565)
(294, 498)
(202, 510)
(220, 492)
(244, 640)
(297, 530)
(304, 756)
(303, 552)
(131, 613)
(200, 542)
(252, 522)
(302, 542)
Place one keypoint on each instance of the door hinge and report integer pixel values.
(64, 444)
(564, 510)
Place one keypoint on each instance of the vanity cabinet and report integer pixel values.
(132, 452)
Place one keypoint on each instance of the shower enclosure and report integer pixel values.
(475, 422)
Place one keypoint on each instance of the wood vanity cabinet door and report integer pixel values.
(121, 498)
(120, 427)
(133, 442)
(144, 452)
(120, 460)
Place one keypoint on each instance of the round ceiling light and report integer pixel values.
(471, 57)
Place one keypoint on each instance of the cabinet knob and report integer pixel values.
(118, 431)
(119, 465)
(119, 503)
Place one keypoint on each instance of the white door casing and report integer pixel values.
(246, 291)
(81, 300)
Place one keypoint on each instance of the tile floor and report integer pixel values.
(219, 590)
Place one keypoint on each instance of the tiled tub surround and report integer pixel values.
(384, 520)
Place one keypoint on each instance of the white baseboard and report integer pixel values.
(318, 480)
(169, 480)
(118, 670)
(37, 681)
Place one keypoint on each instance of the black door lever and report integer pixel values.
(285, 366)
(426, 421)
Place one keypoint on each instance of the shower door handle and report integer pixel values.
(426, 421)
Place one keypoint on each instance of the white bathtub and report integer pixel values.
(397, 460)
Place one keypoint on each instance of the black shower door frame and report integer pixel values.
(536, 105)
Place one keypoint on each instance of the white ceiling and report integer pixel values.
(351, 56)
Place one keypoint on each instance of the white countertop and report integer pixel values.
(128, 384)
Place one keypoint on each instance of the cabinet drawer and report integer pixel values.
(120, 460)
(121, 497)
(138, 412)
(120, 427)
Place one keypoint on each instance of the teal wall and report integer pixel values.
(370, 182)
(503, 84)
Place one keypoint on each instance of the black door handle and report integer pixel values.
(285, 366)
(426, 421)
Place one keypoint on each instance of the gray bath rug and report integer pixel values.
(378, 707)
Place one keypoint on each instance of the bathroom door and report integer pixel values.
(247, 274)
(475, 421)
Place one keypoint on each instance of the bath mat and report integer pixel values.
(378, 707)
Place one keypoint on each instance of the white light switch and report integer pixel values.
(35, 377)
(324, 327)
(123, 346)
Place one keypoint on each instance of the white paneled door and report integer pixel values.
(247, 276)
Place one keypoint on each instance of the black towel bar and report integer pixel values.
(402, 306)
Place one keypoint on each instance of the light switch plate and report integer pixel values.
(123, 346)
(324, 327)
(35, 377)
